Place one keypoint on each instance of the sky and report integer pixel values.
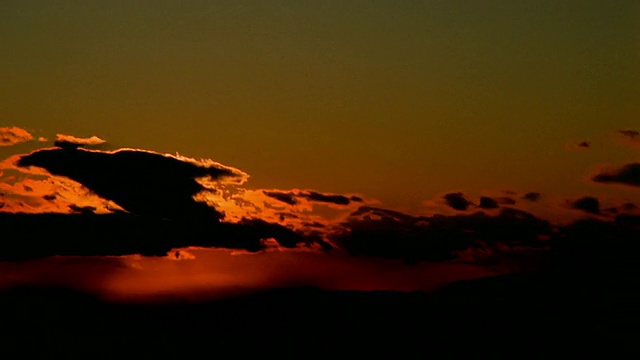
(330, 113)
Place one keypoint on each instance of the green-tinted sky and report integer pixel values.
(399, 101)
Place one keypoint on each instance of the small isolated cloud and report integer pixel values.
(580, 145)
(13, 135)
(588, 204)
(628, 174)
(457, 201)
(69, 141)
(532, 196)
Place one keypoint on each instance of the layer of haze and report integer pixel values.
(396, 100)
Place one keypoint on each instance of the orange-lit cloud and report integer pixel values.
(174, 223)
(34, 190)
(13, 135)
(143, 182)
(93, 142)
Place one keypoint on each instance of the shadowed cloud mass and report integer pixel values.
(488, 203)
(457, 201)
(628, 174)
(141, 182)
(588, 204)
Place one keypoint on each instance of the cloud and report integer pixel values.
(329, 198)
(505, 200)
(292, 197)
(629, 133)
(385, 233)
(628, 174)
(588, 204)
(595, 247)
(141, 182)
(630, 137)
(625, 207)
(488, 203)
(532, 196)
(580, 145)
(286, 197)
(457, 201)
(82, 209)
(69, 141)
(13, 135)
(166, 202)
(32, 236)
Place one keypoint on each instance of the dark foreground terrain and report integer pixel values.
(534, 312)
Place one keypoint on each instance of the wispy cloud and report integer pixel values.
(93, 142)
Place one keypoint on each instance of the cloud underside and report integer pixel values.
(83, 234)
(293, 197)
(588, 204)
(628, 174)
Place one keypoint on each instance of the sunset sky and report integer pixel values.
(301, 122)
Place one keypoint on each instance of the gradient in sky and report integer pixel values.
(406, 144)
(397, 100)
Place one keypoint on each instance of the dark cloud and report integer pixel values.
(628, 174)
(627, 206)
(587, 204)
(290, 197)
(391, 234)
(487, 203)
(506, 200)
(69, 141)
(31, 236)
(628, 133)
(143, 183)
(284, 196)
(580, 145)
(595, 247)
(457, 201)
(631, 137)
(82, 209)
(13, 135)
(532, 196)
(329, 198)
